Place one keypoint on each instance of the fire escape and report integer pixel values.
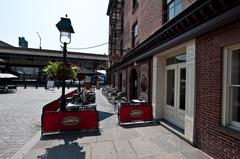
(116, 30)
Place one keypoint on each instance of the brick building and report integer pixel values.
(183, 57)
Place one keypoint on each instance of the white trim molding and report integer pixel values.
(227, 85)
(190, 90)
(157, 88)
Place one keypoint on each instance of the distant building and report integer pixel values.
(183, 57)
(22, 42)
(5, 44)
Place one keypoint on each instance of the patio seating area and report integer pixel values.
(6, 83)
(128, 110)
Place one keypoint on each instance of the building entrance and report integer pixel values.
(174, 110)
(133, 84)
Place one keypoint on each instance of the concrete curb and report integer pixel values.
(27, 147)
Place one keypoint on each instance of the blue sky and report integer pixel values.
(27, 17)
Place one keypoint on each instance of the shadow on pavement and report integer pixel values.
(70, 149)
(104, 115)
(138, 124)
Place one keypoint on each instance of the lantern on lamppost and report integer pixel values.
(65, 28)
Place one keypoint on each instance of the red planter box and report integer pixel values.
(55, 121)
(129, 113)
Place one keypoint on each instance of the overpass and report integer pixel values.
(28, 63)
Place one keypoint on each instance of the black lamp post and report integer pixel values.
(65, 28)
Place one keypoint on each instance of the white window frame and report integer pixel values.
(134, 34)
(135, 30)
(175, 4)
(226, 107)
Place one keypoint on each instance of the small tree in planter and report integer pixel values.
(61, 71)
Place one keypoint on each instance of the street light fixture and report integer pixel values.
(65, 28)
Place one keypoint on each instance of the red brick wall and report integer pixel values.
(187, 3)
(127, 24)
(216, 140)
(148, 17)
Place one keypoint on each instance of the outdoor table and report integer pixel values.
(76, 117)
(134, 111)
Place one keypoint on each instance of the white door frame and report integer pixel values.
(180, 112)
(173, 113)
(170, 112)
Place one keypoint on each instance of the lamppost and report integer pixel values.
(65, 28)
(40, 47)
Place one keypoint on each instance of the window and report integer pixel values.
(170, 87)
(134, 34)
(231, 91)
(174, 7)
(176, 59)
(134, 5)
(182, 88)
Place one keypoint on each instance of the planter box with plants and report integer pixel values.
(79, 114)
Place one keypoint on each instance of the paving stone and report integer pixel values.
(104, 150)
(149, 157)
(124, 149)
(152, 131)
(88, 139)
(144, 147)
(20, 115)
(177, 155)
(125, 134)
(196, 154)
(171, 143)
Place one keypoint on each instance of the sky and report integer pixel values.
(25, 18)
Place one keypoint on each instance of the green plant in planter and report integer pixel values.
(61, 71)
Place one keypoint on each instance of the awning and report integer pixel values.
(7, 75)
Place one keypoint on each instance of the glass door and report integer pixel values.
(181, 95)
(170, 111)
(174, 110)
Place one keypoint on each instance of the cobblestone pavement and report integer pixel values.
(20, 115)
(148, 141)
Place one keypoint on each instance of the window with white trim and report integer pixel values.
(134, 34)
(174, 7)
(231, 90)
